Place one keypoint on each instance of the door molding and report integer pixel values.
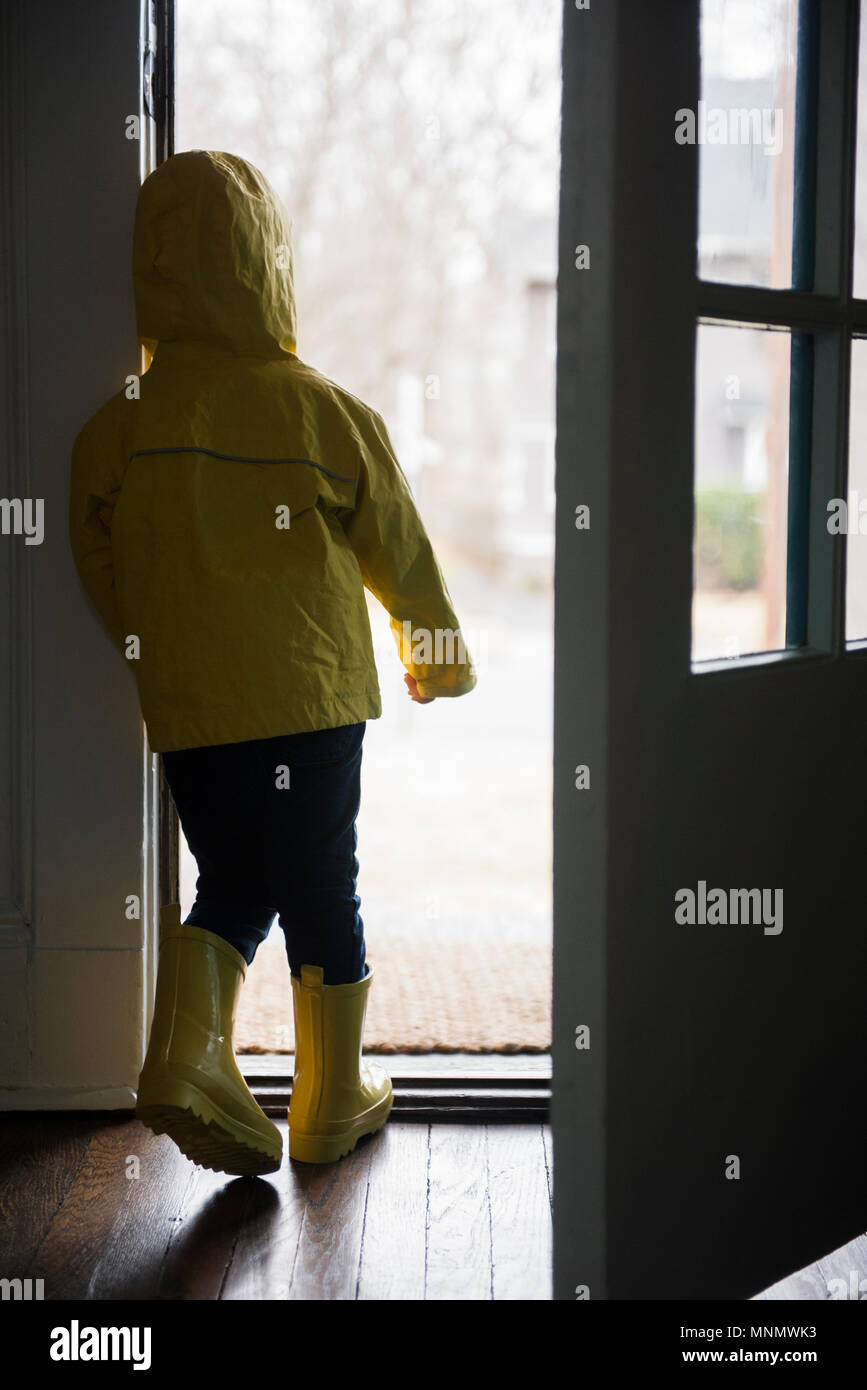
(16, 682)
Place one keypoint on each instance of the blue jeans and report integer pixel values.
(271, 823)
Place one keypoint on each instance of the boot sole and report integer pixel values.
(207, 1136)
(320, 1148)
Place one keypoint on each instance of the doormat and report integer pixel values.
(455, 996)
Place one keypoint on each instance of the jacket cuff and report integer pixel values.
(429, 690)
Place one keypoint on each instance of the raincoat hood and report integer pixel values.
(212, 258)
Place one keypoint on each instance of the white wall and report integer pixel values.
(72, 966)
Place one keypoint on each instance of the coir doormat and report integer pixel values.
(454, 996)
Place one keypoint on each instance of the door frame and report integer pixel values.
(456, 1089)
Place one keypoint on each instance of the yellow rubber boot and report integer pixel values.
(336, 1096)
(190, 1087)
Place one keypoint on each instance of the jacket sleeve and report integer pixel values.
(399, 567)
(95, 484)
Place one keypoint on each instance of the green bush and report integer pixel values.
(729, 536)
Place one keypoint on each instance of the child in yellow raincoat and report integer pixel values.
(225, 519)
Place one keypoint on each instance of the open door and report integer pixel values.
(709, 1053)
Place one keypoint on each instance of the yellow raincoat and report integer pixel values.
(226, 521)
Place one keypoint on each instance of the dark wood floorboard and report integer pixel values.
(265, 1254)
(102, 1209)
(459, 1254)
(841, 1276)
(80, 1232)
(520, 1207)
(396, 1201)
(38, 1162)
(329, 1244)
(202, 1241)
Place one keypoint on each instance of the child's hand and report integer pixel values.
(412, 686)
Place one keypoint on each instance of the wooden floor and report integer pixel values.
(840, 1276)
(100, 1208)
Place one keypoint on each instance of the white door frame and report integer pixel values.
(75, 967)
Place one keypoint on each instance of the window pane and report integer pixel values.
(745, 130)
(741, 491)
(853, 519)
(859, 272)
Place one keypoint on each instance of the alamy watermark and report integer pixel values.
(22, 1290)
(740, 125)
(23, 516)
(444, 646)
(853, 1289)
(77, 1343)
(730, 907)
(847, 516)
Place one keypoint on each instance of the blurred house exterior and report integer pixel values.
(490, 411)
(742, 381)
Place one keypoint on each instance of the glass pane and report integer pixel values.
(745, 130)
(859, 270)
(741, 491)
(849, 516)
